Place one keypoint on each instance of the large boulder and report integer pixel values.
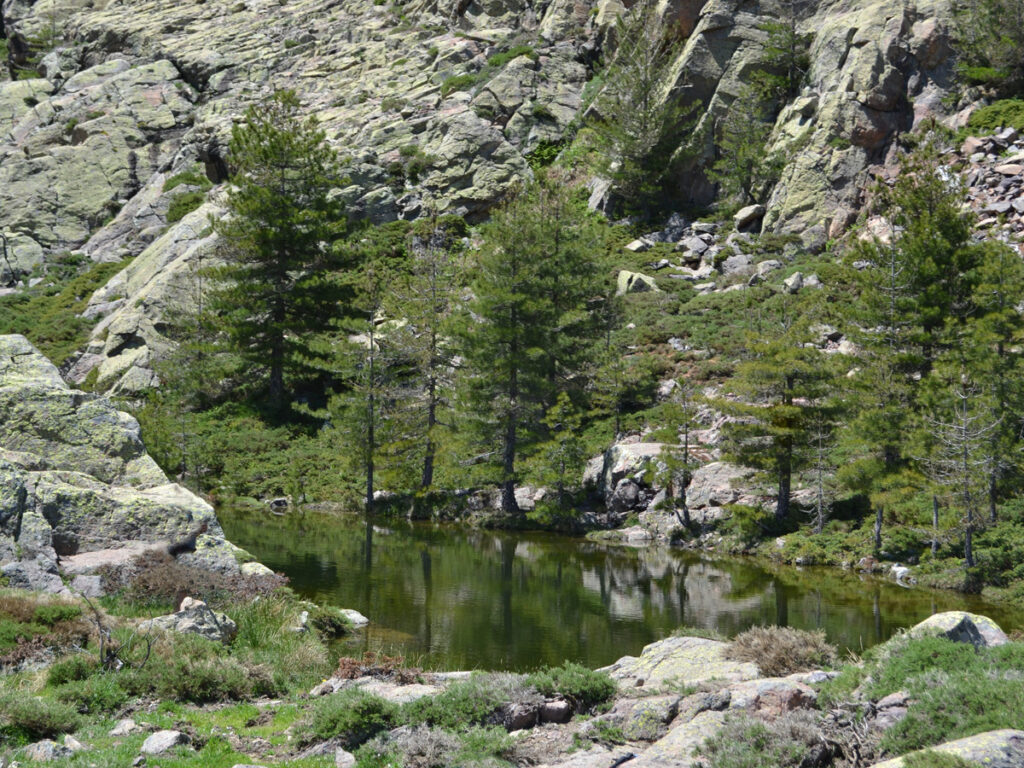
(994, 749)
(75, 480)
(962, 627)
(681, 661)
(194, 617)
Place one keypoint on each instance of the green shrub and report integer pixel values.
(459, 83)
(499, 60)
(1005, 113)
(182, 205)
(192, 178)
(780, 651)
(56, 612)
(480, 746)
(329, 622)
(353, 715)
(193, 669)
(746, 742)
(466, 703)
(99, 693)
(13, 632)
(584, 687)
(989, 76)
(72, 668)
(29, 718)
(955, 689)
(50, 317)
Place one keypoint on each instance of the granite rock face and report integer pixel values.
(75, 479)
(426, 102)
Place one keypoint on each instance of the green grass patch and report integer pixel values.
(460, 82)
(49, 315)
(1005, 113)
(184, 204)
(931, 759)
(499, 60)
(192, 178)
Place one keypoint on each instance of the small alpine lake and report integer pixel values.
(450, 597)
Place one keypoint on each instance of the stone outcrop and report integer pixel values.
(962, 627)
(75, 480)
(682, 661)
(876, 70)
(141, 91)
(194, 617)
(994, 749)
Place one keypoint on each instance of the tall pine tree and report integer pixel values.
(277, 240)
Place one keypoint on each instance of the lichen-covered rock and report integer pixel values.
(635, 282)
(771, 697)
(962, 627)
(676, 748)
(682, 661)
(994, 749)
(75, 479)
(195, 617)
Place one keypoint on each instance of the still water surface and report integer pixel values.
(447, 597)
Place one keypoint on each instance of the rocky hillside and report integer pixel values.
(77, 488)
(436, 105)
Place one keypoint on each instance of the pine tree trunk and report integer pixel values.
(935, 525)
(878, 530)
(427, 478)
(785, 480)
(277, 375)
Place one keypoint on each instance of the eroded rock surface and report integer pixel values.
(680, 661)
(962, 627)
(994, 749)
(75, 479)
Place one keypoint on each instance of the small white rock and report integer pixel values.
(161, 741)
(343, 759)
(124, 727)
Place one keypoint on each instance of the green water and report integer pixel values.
(447, 597)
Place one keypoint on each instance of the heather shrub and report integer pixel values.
(78, 666)
(584, 687)
(29, 718)
(159, 581)
(780, 651)
(353, 715)
(477, 700)
(747, 742)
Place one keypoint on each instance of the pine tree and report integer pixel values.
(779, 387)
(277, 240)
(424, 299)
(528, 329)
(993, 334)
(785, 60)
(745, 170)
(676, 457)
(639, 120)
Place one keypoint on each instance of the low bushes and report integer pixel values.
(353, 715)
(746, 742)
(158, 581)
(467, 703)
(780, 651)
(29, 718)
(584, 687)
